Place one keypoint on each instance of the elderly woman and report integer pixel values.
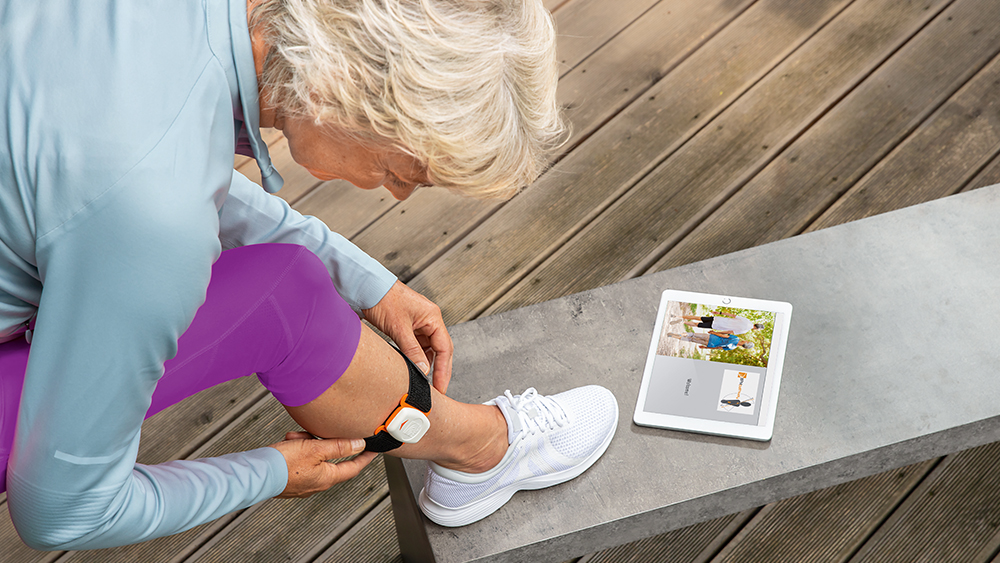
(136, 268)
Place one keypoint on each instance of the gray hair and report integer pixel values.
(468, 87)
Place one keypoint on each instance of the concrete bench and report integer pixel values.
(892, 359)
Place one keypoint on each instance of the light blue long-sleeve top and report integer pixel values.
(117, 194)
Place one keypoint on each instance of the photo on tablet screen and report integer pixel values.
(738, 392)
(714, 364)
(717, 334)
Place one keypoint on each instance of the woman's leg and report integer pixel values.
(234, 333)
(335, 377)
(471, 438)
(13, 361)
(696, 337)
(272, 309)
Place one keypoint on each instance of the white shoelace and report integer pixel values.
(537, 413)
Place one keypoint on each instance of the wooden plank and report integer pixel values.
(707, 76)
(640, 56)
(373, 540)
(512, 242)
(247, 165)
(234, 438)
(989, 176)
(299, 529)
(860, 131)
(584, 26)
(553, 5)
(828, 525)
(414, 233)
(344, 208)
(14, 550)
(941, 156)
(179, 430)
(937, 522)
(171, 434)
(694, 544)
(730, 150)
(299, 182)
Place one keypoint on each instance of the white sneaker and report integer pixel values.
(552, 440)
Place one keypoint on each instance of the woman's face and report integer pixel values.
(328, 153)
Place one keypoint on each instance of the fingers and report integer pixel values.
(436, 344)
(412, 349)
(309, 470)
(443, 352)
(335, 448)
(415, 324)
(340, 472)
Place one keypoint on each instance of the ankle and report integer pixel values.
(486, 454)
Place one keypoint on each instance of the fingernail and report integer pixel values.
(358, 444)
(423, 367)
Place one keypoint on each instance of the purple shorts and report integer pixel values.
(270, 309)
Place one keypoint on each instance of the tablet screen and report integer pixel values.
(713, 359)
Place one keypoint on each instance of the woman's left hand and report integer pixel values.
(415, 324)
(309, 469)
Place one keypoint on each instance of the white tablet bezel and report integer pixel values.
(768, 403)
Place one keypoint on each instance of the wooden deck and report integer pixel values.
(701, 127)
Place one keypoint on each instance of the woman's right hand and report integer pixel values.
(309, 470)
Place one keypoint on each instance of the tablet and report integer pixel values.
(714, 365)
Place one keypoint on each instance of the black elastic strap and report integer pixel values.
(381, 442)
(419, 396)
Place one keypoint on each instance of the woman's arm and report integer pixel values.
(122, 281)
(252, 216)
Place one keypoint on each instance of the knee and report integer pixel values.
(307, 273)
(290, 266)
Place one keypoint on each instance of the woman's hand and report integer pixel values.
(309, 471)
(415, 324)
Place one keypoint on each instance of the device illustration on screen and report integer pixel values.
(714, 365)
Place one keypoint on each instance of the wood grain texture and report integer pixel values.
(989, 175)
(441, 219)
(937, 522)
(275, 527)
(582, 186)
(365, 543)
(693, 544)
(687, 66)
(174, 433)
(874, 125)
(639, 57)
(829, 524)
(702, 174)
(344, 208)
(584, 26)
(938, 159)
(298, 181)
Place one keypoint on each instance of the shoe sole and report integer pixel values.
(479, 509)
